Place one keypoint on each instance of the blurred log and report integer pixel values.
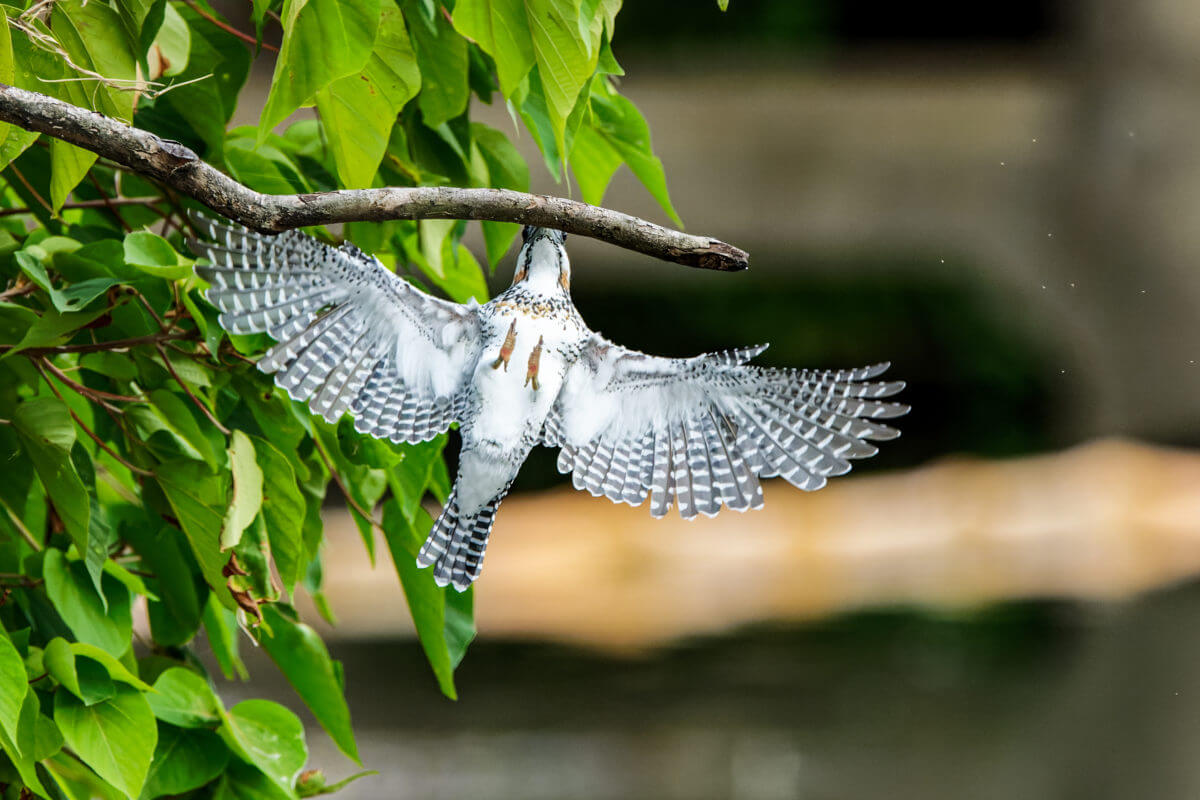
(1101, 521)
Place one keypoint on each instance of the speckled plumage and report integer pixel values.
(698, 433)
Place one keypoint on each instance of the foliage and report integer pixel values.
(156, 487)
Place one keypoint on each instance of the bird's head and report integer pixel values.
(543, 261)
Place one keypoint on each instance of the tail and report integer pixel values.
(456, 544)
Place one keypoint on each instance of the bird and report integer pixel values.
(524, 370)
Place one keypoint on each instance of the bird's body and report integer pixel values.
(524, 370)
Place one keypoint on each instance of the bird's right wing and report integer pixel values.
(701, 431)
(351, 335)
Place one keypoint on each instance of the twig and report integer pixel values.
(162, 351)
(112, 201)
(18, 291)
(178, 167)
(20, 526)
(362, 512)
(245, 37)
(96, 347)
(29, 187)
(79, 388)
(131, 467)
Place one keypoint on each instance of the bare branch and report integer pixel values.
(180, 168)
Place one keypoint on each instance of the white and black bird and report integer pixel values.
(524, 370)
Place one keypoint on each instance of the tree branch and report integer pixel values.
(178, 167)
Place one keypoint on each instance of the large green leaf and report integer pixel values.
(13, 687)
(621, 126)
(444, 625)
(116, 738)
(150, 253)
(175, 412)
(359, 110)
(47, 434)
(198, 499)
(247, 489)
(283, 511)
(564, 60)
(86, 670)
(501, 28)
(184, 698)
(184, 760)
(268, 736)
(442, 55)
(323, 40)
(176, 617)
(243, 782)
(303, 659)
(77, 602)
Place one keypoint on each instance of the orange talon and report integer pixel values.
(535, 359)
(506, 349)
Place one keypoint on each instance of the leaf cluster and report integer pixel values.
(151, 473)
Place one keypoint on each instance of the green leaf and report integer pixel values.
(89, 681)
(359, 110)
(501, 29)
(47, 434)
(247, 490)
(13, 687)
(444, 633)
(184, 760)
(153, 255)
(116, 738)
(198, 499)
(174, 42)
(73, 596)
(594, 162)
(183, 698)
(622, 126)
(506, 169)
(301, 656)
(442, 55)
(175, 412)
(71, 657)
(563, 58)
(323, 40)
(175, 619)
(74, 297)
(53, 328)
(723, 5)
(283, 512)
(263, 167)
(243, 782)
(220, 625)
(268, 736)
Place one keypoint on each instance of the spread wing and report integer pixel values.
(702, 431)
(351, 335)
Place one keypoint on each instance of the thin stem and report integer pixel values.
(103, 446)
(108, 202)
(245, 37)
(203, 408)
(20, 526)
(116, 345)
(80, 389)
(19, 291)
(362, 512)
(29, 187)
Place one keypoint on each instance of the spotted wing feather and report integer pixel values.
(699, 433)
(350, 335)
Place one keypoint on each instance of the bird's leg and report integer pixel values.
(506, 349)
(535, 359)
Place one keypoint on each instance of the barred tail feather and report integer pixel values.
(457, 543)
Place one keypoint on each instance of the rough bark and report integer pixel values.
(180, 168)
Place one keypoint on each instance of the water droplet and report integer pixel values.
(1035, 140)
(1072, 284)
(1003, 164)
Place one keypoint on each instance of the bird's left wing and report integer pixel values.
(701, 431)
(351, 335)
